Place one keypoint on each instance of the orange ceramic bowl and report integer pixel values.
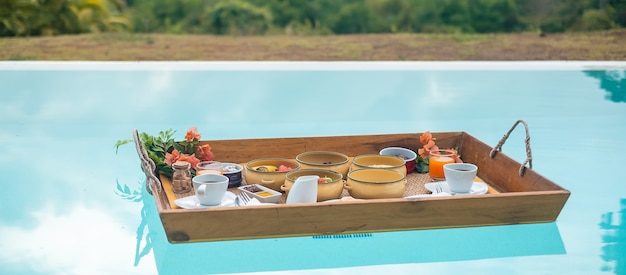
(375, 184)
(270, 179)
(325, 191)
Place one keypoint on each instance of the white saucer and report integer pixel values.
(191, 202)
(478, 188)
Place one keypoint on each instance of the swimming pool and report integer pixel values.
(72, 205)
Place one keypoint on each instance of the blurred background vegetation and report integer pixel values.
(303, 17)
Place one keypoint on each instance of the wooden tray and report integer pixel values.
(516, 194)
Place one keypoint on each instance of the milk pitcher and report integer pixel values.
(304, 190)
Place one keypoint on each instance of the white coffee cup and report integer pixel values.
(210, 188)
(460, 176)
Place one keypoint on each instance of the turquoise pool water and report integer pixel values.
(72, 205)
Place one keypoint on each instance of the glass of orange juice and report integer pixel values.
(436, 161)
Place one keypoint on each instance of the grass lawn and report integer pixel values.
(605, 45)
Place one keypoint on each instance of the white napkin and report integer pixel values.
(440, 194)
(254, 201)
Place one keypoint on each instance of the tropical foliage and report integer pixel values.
(305, 17)
(51, 17)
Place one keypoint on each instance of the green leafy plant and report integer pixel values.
(164, 150)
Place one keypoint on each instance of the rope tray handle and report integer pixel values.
(147, 165)
(529, 157)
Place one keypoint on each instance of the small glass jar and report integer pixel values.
(181, 178)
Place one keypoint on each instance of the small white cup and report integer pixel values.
(210, 188)
(460, 176)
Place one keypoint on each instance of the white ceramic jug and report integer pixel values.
(304, 190)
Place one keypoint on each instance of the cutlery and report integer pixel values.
(439, 191)
(243, 199)
(438, 188)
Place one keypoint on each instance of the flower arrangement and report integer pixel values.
(428, 144)
(165, 151)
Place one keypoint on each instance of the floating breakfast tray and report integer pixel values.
(517, 194)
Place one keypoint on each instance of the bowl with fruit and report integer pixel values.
(269, 172)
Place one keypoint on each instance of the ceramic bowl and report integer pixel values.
(379, 162)
(375, 184)
(325, 191)
(233, 172)
(324, 160)
(262, 171)
(407, 155)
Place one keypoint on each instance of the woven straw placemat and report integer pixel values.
(414, 186)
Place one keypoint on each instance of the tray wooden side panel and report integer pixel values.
(244, 150)
(361, 216)
(502, 172)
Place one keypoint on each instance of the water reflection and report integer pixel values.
(614, 239)
(613, 82)
(136, 195)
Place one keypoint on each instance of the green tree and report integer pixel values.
(594, 20)
(395, 15)
(51, 17)
(235, 17)
(102, 16)
(356, 18)
(494, 16)
(456, 13)
(616, 10)
(14, 17)
(166, 15)
(300, 16)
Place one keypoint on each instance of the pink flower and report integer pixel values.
(192, 134)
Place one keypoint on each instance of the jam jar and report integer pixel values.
(181, 178)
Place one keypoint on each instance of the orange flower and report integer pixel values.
(177, 156)
(423, 153)
(192, 134)
(171, 158)
(191, 159)
(204, 152)
(429, 144)
(426, 137)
